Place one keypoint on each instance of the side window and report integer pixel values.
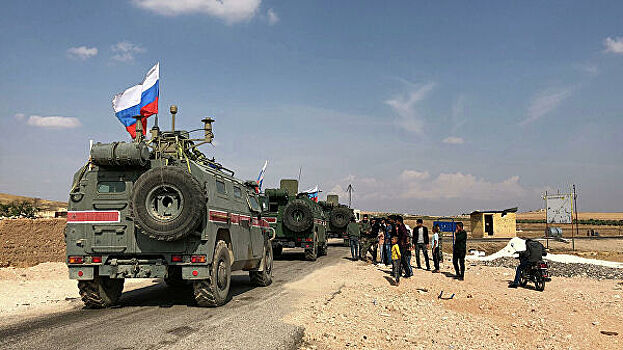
(237, 192)
(220, 187)
(253, 203)
(110, 186)
(273, 206)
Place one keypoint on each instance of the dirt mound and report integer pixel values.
(28, 242)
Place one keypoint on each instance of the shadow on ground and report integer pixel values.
(166, 296)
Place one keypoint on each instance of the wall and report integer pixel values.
(505, 226)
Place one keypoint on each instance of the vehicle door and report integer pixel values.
(258, 226)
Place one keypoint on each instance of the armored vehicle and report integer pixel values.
(162, 209)
(299, 222)
(338, 216)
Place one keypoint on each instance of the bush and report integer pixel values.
(24, 209)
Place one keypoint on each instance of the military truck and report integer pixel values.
(338, 216)
(162, 209)
(298, 221)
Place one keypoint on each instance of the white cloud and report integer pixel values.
(272, 17)
(545, 102)
(414, 175)
(125, 51)
(19, 116)
(405, 106)
(54, 122)
(230, 11)
(453, 140)
(81, 52)
(614, 45)
(415, 184)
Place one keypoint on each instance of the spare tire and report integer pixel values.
(167, 203)
(340, 217)
(298, 215)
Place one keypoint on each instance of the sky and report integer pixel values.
(428, 107)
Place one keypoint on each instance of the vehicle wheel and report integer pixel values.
(167, 203)
(298, 215)
(100, 292)
(214, 291)
(322, 250)
(265, 277)
(340, 217)
(277, 250)
(312, 254)
(174, 277)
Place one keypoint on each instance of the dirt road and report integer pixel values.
(157, 316)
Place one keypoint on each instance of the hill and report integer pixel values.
(42, 204)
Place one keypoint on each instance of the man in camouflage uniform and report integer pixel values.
(366, 240)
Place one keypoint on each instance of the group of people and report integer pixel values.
(392, 241)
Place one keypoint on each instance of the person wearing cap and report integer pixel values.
(420, 236)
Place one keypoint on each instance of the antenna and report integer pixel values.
(350, 190)
(300, 169)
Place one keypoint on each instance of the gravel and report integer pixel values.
(558, 269)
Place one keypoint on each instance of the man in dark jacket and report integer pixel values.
(420, 238)
(534, 253)
(459, 250)
(403, 243)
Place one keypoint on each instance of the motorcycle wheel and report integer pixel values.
(539, 284)
(523, 281)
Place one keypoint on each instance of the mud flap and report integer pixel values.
(84, 273)
(195, 272)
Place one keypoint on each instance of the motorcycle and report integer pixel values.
(537, 273)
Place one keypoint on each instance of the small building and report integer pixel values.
(494, 223)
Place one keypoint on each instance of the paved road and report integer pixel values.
(158, 317)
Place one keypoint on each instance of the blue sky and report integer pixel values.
(436, 107)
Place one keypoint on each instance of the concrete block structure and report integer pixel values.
(494, 223)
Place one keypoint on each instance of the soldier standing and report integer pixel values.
(366, 230)
(353, 231)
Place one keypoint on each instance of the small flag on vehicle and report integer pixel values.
(312, 193)
(260, 177)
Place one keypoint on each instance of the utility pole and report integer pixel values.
(575, 206)
(350, 190)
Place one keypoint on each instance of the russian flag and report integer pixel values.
(313, 194)
(260, 177)
(140, 99)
